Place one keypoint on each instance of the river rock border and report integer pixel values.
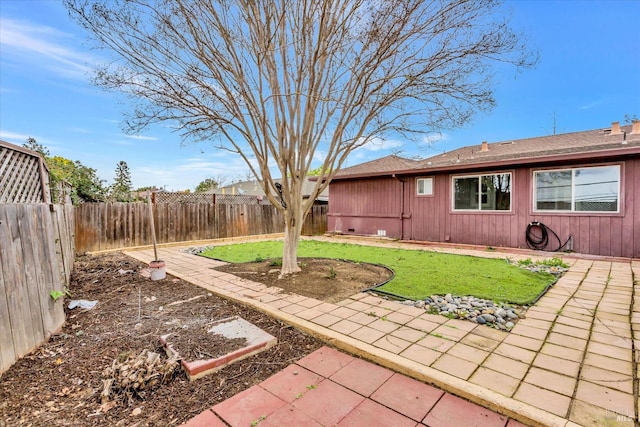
(481, 311)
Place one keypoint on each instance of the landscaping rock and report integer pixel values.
(484, 312)
(488, 317)
(511, 314)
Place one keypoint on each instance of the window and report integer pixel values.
(595, 189)
(482, 192)
(424, 186)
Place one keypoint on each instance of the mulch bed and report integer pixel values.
(60, 383)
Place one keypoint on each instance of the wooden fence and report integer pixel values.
(103, 226)
(36, 257)
(36, 253)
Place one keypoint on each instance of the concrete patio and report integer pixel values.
(574, 359)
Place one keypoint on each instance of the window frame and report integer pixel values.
(418, 194)
(572, 211)
(480, 193)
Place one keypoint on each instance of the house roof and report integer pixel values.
(253, 188)
(592, 144)
(385, 164)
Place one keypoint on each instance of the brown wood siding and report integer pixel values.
(365, 206)
(432, 218)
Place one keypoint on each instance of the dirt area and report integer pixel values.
(323, 279)
(62, 381)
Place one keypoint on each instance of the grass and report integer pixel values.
(551, 262)
(419, 274)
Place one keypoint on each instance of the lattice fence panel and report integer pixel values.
(239, 199)
(167, 197)
(20, 178)
(218, 199)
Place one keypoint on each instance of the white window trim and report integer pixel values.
(479, 176)
(425, 178)
(573, 191)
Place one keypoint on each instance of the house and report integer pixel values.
(582, 186)
(253, 188)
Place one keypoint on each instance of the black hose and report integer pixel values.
(540, 241)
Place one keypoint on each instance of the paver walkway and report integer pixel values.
(573, 361)
(329, 388)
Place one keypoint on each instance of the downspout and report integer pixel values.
(401, 205)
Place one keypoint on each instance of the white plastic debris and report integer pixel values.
(82, 303)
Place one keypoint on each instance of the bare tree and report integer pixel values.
(282, 82)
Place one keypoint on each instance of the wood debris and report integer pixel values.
(131, 377)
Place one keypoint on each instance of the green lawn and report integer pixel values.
(419, 274)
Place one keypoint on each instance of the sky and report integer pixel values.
(588, 76)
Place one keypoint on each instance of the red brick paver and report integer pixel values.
(406, 396)
(453, 411)
(248, 406)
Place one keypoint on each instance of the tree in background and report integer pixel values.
(34, 145)
(281, 83)
(85, 184)
(206, 185)
(315, 172)
(121, 188)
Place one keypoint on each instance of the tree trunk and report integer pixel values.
(292, 229)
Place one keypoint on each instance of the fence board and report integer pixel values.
(7, 345)
(54, 278)
(28, 227)
(316, 221)
(49, 277)
(7, 351)
(65, 248)
(15, 284)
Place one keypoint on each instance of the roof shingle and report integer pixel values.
(513, 151)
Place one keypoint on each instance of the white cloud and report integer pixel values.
(591, 105)
(43, 47)
(77, 129)
(21, 138)
(14, 137)
(142, 138)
